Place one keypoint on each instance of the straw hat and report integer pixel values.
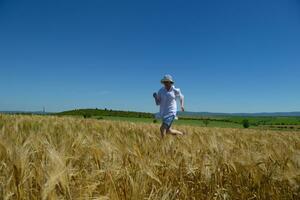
(167, 78)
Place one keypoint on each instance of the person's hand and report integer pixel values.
(155, 95)
(182, 108)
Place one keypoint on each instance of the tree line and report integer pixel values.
(87, 113)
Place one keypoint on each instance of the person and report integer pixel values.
(166, 99)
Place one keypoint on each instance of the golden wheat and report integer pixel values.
(68, 158)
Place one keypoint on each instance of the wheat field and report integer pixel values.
(47, 157)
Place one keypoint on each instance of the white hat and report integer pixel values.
(167, 78)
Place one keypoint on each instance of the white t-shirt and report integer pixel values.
(167, 99)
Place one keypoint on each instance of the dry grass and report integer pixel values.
(68, 158)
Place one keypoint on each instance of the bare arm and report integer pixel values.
(182, 103)
(181, 98)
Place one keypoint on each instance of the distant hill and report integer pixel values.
(106, 112)
(26, 112)
(263, 114)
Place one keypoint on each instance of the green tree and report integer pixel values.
(87, 115)
(205, 122)
(246, 123)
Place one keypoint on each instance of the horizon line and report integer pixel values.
(210, 112)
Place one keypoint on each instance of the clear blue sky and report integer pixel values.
(226, 56)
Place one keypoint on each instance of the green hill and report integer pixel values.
(105, 112)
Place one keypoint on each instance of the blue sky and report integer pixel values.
(226, 56)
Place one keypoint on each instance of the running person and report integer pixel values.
(166, 99)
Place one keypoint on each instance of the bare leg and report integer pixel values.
(174, 132)
(163, 131)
